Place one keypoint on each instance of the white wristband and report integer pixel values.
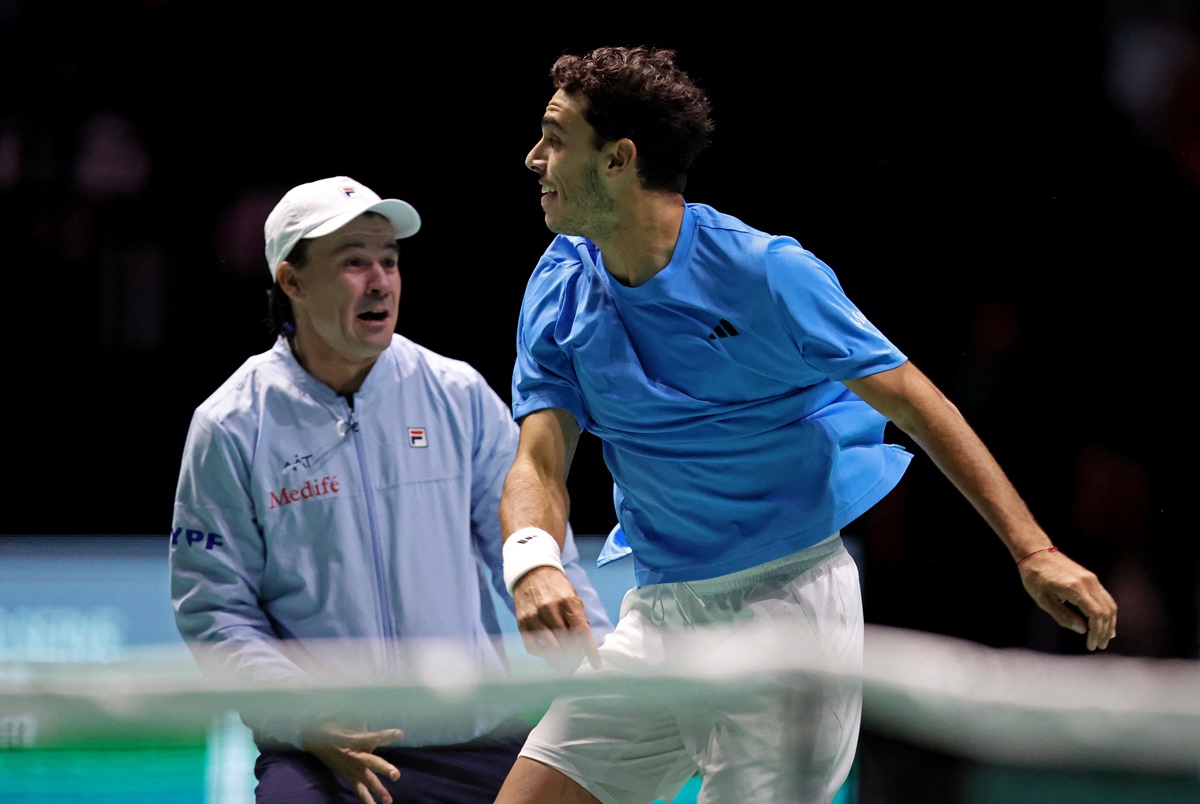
(526, 549)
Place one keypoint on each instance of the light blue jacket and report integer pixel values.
(365, 527)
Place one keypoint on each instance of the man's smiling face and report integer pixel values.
(567, 162)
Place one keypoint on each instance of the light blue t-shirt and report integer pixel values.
(715, 389)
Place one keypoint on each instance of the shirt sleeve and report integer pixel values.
(217, 555)
(834, 337)
(543, 375)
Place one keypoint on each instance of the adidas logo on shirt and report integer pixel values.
(723, 330)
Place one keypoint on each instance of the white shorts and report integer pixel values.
(794, 743)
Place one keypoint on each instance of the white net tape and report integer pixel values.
(1012, 706)
(1024, 708)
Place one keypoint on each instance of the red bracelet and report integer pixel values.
(1035, 552)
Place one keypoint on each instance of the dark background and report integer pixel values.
(1011, 194)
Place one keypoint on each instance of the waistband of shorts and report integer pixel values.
(792, 564)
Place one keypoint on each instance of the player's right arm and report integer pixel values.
(534, 509)
(535, 490)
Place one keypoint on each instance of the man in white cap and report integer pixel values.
(337, 505)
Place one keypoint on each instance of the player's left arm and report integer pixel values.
(914, 404)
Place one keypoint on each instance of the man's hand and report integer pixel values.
(347, 751)
(551, 616)
(1053, 580)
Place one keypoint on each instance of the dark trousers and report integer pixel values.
(467, 773)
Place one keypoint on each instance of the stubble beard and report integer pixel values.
(594, 212)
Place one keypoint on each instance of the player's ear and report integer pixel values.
(288, 280)
(621, 154)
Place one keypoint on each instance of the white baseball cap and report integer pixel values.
(324, 206)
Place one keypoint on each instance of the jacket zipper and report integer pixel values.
(387, 621)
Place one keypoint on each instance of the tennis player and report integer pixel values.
(741, 399)
(338, 503)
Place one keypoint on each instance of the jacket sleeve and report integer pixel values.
(217, 555)
(496, 447)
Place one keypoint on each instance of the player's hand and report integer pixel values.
(551, 617)
(1053, 581)
(347, 751)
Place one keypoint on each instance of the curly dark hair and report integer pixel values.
(640, 93)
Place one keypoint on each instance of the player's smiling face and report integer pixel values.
(574, 198)
(346, 297)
